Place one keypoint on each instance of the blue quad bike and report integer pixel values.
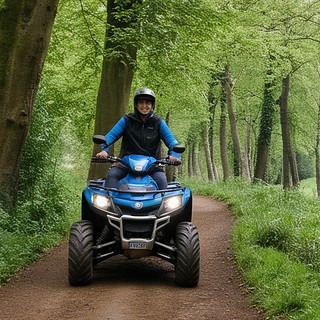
(136, 219)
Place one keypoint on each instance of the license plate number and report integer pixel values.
(137, 245)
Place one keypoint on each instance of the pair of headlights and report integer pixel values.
(104, 203)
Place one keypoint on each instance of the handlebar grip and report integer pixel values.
(105, 160)
(166, 161)
(99, 160)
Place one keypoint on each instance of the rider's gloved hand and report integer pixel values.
(102, 154)
(174, 160)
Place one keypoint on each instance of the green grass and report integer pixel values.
(276, 242)
(18, 250)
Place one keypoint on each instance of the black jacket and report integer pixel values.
(142, 137)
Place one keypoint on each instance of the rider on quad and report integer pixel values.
(134, 211)
(141, 133)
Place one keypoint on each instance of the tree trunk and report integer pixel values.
(289, 159)
(232, 119)
(318, 154)
(25, 30)
(265, 133)
(213, 101)
(286, 181)
(190, 156)
(116, 78)
(196, 160)
(223, 138)
(246, 158)
(207, 152)
(239, 165)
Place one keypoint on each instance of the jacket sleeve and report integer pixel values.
(115, 133)
(168, 138)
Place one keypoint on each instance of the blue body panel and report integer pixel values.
(136, 181)
(138, 163)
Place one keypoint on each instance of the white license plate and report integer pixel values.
(137, 245)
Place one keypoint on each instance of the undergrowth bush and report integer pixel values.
(40, 222)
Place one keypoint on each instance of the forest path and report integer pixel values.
(137, 289)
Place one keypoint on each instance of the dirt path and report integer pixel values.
(136, 289)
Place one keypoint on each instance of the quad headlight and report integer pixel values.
(172, 203)
(102, 202)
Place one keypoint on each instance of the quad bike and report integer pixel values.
(136, 220)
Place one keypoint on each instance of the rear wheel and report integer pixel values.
(187, 268)
(80, 253)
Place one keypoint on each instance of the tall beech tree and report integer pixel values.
(117, 70)
(290, 170)
(317, 143)
(265, 132)
(205, 137)
(240, 164)
(25, 30)
(223, 136)
(213, 102)
(317, 152)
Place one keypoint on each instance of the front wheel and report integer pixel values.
(80, 265)
(187, 268)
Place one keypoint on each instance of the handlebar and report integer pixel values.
(166, 161)
(112, 159)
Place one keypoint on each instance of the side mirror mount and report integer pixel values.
(179, 148)
(99, 139)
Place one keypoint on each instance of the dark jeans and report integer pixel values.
(115, 174)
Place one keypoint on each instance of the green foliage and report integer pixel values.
(306, 166)
(309, 187)
(2, 4)
(37, 156)
(72, 70)
(276, 242)
(175, 56)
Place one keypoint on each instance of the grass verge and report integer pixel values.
(39, 224)
(276, 243)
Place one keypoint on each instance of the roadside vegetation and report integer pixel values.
(276, 244)
(276, 238)
(40, 223)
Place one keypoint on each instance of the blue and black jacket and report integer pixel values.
(142, 137)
